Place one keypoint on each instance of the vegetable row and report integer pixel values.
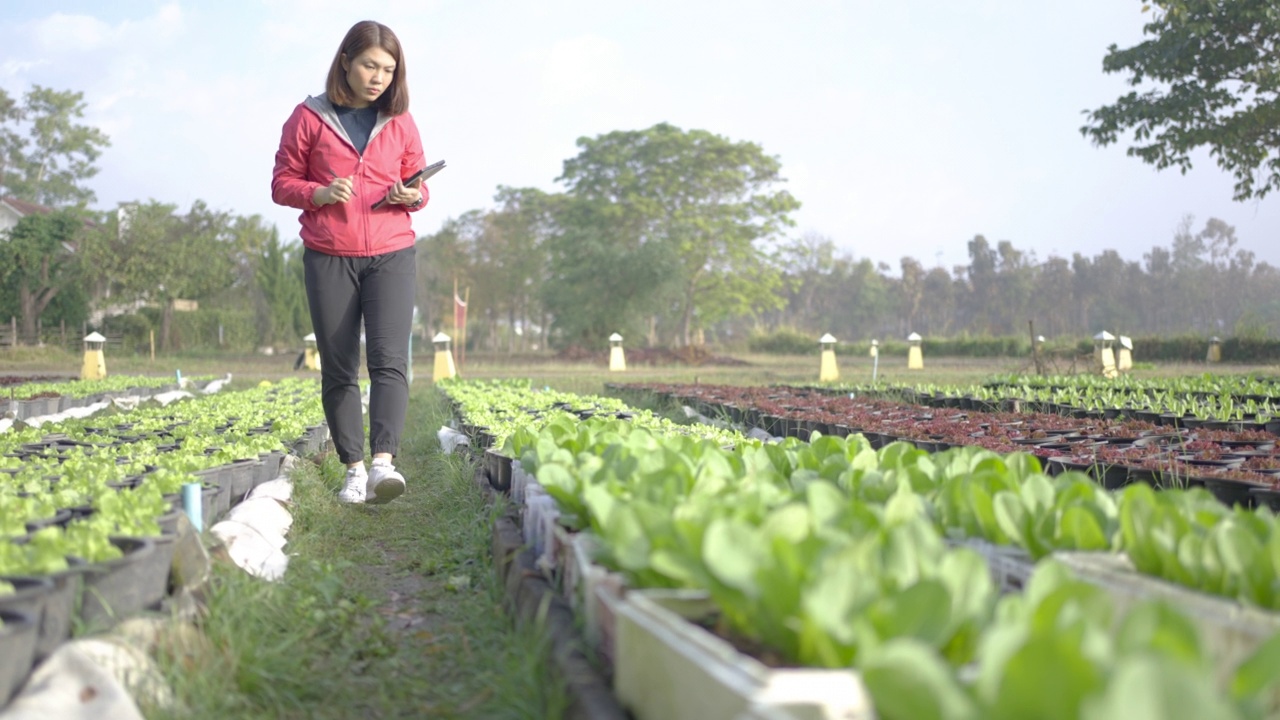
(66, 490)
(1236, 465)
(1222, 401)
(835, 554)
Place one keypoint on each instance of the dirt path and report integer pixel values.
(385, 612)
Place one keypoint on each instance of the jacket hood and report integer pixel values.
(322, 106)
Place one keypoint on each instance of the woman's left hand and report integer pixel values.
(401, 195)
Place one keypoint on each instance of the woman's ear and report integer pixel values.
(346, 64)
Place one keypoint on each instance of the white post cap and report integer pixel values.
(441, 337)
(914, 337)
(826, 339)
(615, 338)
(94, 337)
(1039, 338)
(874, 342)
(310, 337)
(1104, 335)
(1126, 342)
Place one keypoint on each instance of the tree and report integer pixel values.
(709, 200)
(279, 292)
(1217, 85)
(911, 293)
(11, 143)
(157, 256)
(442, 258)
(61, 152)
(596, 285)
(514, 248)
(807, 262)
(983, 284)
(39, 258)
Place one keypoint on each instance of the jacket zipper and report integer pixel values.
(363, 210)
(364, 205)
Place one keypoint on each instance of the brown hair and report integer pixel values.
(362, 36)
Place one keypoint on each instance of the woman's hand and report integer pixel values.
(338, 191)
(401, 195)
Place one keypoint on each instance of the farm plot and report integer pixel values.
(884, 565)
(1237, 464)
(90, 509)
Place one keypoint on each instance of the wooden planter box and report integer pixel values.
(1010, 566)
(670, 668)
(1230, 630)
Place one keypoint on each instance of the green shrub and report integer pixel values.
(1176, 348)
(783, 342)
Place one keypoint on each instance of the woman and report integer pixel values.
(339, 154)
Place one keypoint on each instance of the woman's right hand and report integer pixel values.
(338, 191)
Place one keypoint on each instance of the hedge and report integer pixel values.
(1180, 348)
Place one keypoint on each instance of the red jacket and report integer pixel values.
(315, 148)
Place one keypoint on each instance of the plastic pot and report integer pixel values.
(116, 589)
(17, 650)
(56, 606)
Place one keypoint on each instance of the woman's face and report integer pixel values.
(369, 74)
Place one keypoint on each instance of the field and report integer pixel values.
(590, 378)
(394, 611)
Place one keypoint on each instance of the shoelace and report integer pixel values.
(356, 477)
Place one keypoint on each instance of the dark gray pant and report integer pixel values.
(341, 291)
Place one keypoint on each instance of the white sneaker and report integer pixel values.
(385, 483)
(354, 486)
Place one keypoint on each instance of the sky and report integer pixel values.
(903, 127)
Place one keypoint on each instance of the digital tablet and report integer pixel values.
(417, 177)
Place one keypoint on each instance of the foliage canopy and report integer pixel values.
(1208, 76)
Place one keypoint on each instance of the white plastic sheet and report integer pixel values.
(265, 515)
(77, 413)
(251, 550)
(165, 398)
(451, 440)
(279, 489)
(90, 679)
(216, 385)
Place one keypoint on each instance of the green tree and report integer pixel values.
(280, 295)
(910, 293)
(711, 201)
(50, 165)
(40, 258)
(1212, 79)
(515, 248)
(156, 256)
(983, 285)
(441, 258)
(11, 143)
(807, 262)
(596, 285)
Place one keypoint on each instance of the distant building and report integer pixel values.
(12, 210)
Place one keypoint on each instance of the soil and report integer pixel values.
(653, 357)
(403, 608)
(7, 380)
(769, 658)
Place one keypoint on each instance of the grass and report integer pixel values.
(586, 377)
(385, 611)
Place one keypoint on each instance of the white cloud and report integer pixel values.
(61, 32)
(581, 69)
(14, 68)
(70, 32)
